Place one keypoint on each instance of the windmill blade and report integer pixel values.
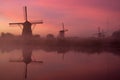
(15, 61)
(66, 30)
(37, 61)
(63, 25)
(15, 23)
(25, 9)
(26, 71)
(37, 22)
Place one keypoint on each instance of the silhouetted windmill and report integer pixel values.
(101, 33)
(62, 32)
(27, 53)
(26, 30)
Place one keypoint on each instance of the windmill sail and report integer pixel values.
(26, 30)
(62, 32)
(63, 26)
(15, 23)
(26, 17)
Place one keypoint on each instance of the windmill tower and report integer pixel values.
(100, 33)
(62, 32)
(27, 25)
(27, 54)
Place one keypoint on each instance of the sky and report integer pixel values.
(81, 17)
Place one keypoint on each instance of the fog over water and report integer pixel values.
(60, 40)
(58, 63)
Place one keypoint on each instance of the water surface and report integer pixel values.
(39, 64)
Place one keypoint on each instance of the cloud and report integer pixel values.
(82, 14)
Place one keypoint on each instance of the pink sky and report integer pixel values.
(81, 17)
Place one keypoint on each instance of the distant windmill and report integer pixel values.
(26, 30)
(62, 32)
(27, 53)
(101, 33)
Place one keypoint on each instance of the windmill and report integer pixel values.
(27, 25)
(101, 33)
(62, 32)
(27, 54)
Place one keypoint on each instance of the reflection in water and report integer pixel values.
(63, 49)
(87, 64)
(27, 53)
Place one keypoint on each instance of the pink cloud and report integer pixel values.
(77, 13)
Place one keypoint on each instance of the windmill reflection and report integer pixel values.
(27, 54)
(63, 51)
